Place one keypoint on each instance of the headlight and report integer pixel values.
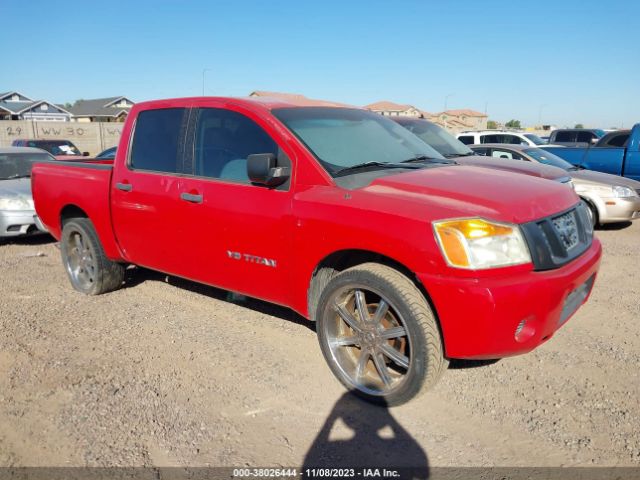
(621, 192)
(16, 203)
(477, 244)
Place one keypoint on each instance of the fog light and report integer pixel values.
(525, 329)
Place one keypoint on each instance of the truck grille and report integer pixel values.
(566, 226)
(556, 240)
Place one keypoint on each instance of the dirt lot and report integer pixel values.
(166, 372)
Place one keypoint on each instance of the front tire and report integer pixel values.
(85, 262)
(379, 335)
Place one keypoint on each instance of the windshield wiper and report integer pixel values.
(576, 167)
(359, 166)
(426, 159)
(17, 176)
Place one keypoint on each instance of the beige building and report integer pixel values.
(461, 119)
(384, 107)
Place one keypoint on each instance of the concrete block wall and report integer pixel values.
(88, 137)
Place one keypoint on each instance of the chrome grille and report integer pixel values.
(566, 227)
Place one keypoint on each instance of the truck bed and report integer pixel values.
(60, 188)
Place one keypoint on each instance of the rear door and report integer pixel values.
(240, 233)
(145, 193)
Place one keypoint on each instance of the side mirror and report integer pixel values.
(85, 154)
(594, 140)
(261, 169)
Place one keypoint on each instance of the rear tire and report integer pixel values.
(379, 335)
(87, 267)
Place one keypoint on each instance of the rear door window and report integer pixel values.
(498, 153)
(565, 137)
(158, 140)
(466, 139)
(585, 137)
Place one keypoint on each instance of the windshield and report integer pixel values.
(535, 139)
(437, 137)
(548, 158)
(56, 147)
(342, 137)
(17, 165)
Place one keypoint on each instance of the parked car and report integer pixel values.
(470, 137)
(451, 148)
(402, 260)
(60, 149)
(610, 198)
(575, 137)
(17, 214)
(623, 160)
(108, 154)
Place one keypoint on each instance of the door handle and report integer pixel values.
(191, 197)
(125, 187)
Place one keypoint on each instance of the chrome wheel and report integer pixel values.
(368, 340)
(81, 262)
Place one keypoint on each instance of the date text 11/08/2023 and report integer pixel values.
(316, 473)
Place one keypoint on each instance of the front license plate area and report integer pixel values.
(575, 299)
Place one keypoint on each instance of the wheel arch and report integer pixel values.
(70, 211)
(340, 260)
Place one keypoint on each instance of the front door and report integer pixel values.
(240, 235)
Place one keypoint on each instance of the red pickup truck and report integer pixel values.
(403, 259)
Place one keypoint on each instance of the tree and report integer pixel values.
(579, 125)
(492, 124)
(512, 124)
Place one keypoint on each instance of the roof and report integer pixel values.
(268, 103)
(19, 107)
(13, 92)
(466, 111)
(98, 107)
(388, 106)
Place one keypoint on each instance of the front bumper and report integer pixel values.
(620, 209)
(17, 223)
(479, 317)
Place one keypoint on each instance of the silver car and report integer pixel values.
(17, 215)
(610, 198)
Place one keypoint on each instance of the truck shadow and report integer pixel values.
(614, 226)
(138, 275)
(26, 240)
(360, 435)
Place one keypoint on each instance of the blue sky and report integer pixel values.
(570, 61)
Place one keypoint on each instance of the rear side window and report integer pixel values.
(466, 139)
(585, 137)
(619, 140)
(157, 140)
(506, 154)
(565, 137)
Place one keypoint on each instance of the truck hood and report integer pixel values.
(515, 166)
(591, 177)
(465, 191)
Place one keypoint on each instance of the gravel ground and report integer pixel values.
(166, 372)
